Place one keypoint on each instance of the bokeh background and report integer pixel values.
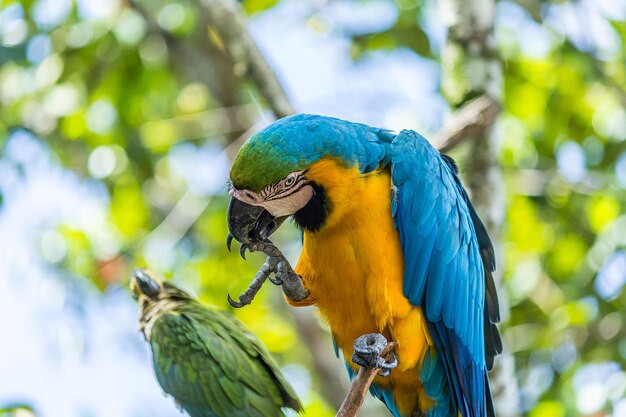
(118, 120)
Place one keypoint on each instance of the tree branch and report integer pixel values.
(470, 121)
(226, 17)
(361, 384)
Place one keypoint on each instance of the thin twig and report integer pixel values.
(360, 385)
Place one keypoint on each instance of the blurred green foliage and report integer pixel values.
(19, 410)
(116, 92)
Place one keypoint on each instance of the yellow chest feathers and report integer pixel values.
(353, 265)
(353, 268)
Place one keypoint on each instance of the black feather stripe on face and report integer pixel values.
(313, 215)
(290, 191)
(280, 189)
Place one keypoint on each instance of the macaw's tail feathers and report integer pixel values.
(493, 343)
(436, 386)
(491, 410)
(466, 375)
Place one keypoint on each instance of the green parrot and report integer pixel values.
(205, 358)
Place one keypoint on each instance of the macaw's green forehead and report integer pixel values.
(262, 162)
(296, 142)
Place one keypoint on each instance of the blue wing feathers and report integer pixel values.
(413, 287)
(431, 196)
(492, 341)
(419, 263)
(452, 292)
(452, 245)
(447, 255)
(429, 218)
(462, 312)
(428, 365)
(436, 290)
(419, 204)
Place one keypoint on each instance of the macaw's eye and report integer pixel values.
(290, 181)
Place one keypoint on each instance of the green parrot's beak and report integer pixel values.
(250, 224)
(141, 283)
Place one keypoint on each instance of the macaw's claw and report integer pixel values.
(276, 280)
(236, 304)
(229, 241)
(242, 250)
(368, 350)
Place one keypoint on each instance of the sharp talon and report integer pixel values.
(229, 241)
(236, 304)
(242, 250)
(391, 364)
(386, 367)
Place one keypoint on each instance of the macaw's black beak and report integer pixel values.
(142, 283)
(250, 224)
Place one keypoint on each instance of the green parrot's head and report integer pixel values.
(150, 286)
(155, 296)
(269, 175)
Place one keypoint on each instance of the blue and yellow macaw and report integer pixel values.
(391, 245)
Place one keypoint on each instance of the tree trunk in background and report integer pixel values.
(472, 68)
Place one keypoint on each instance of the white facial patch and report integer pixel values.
(283, 198)
(287, 206)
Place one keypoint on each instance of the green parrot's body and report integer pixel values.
(205, 358)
